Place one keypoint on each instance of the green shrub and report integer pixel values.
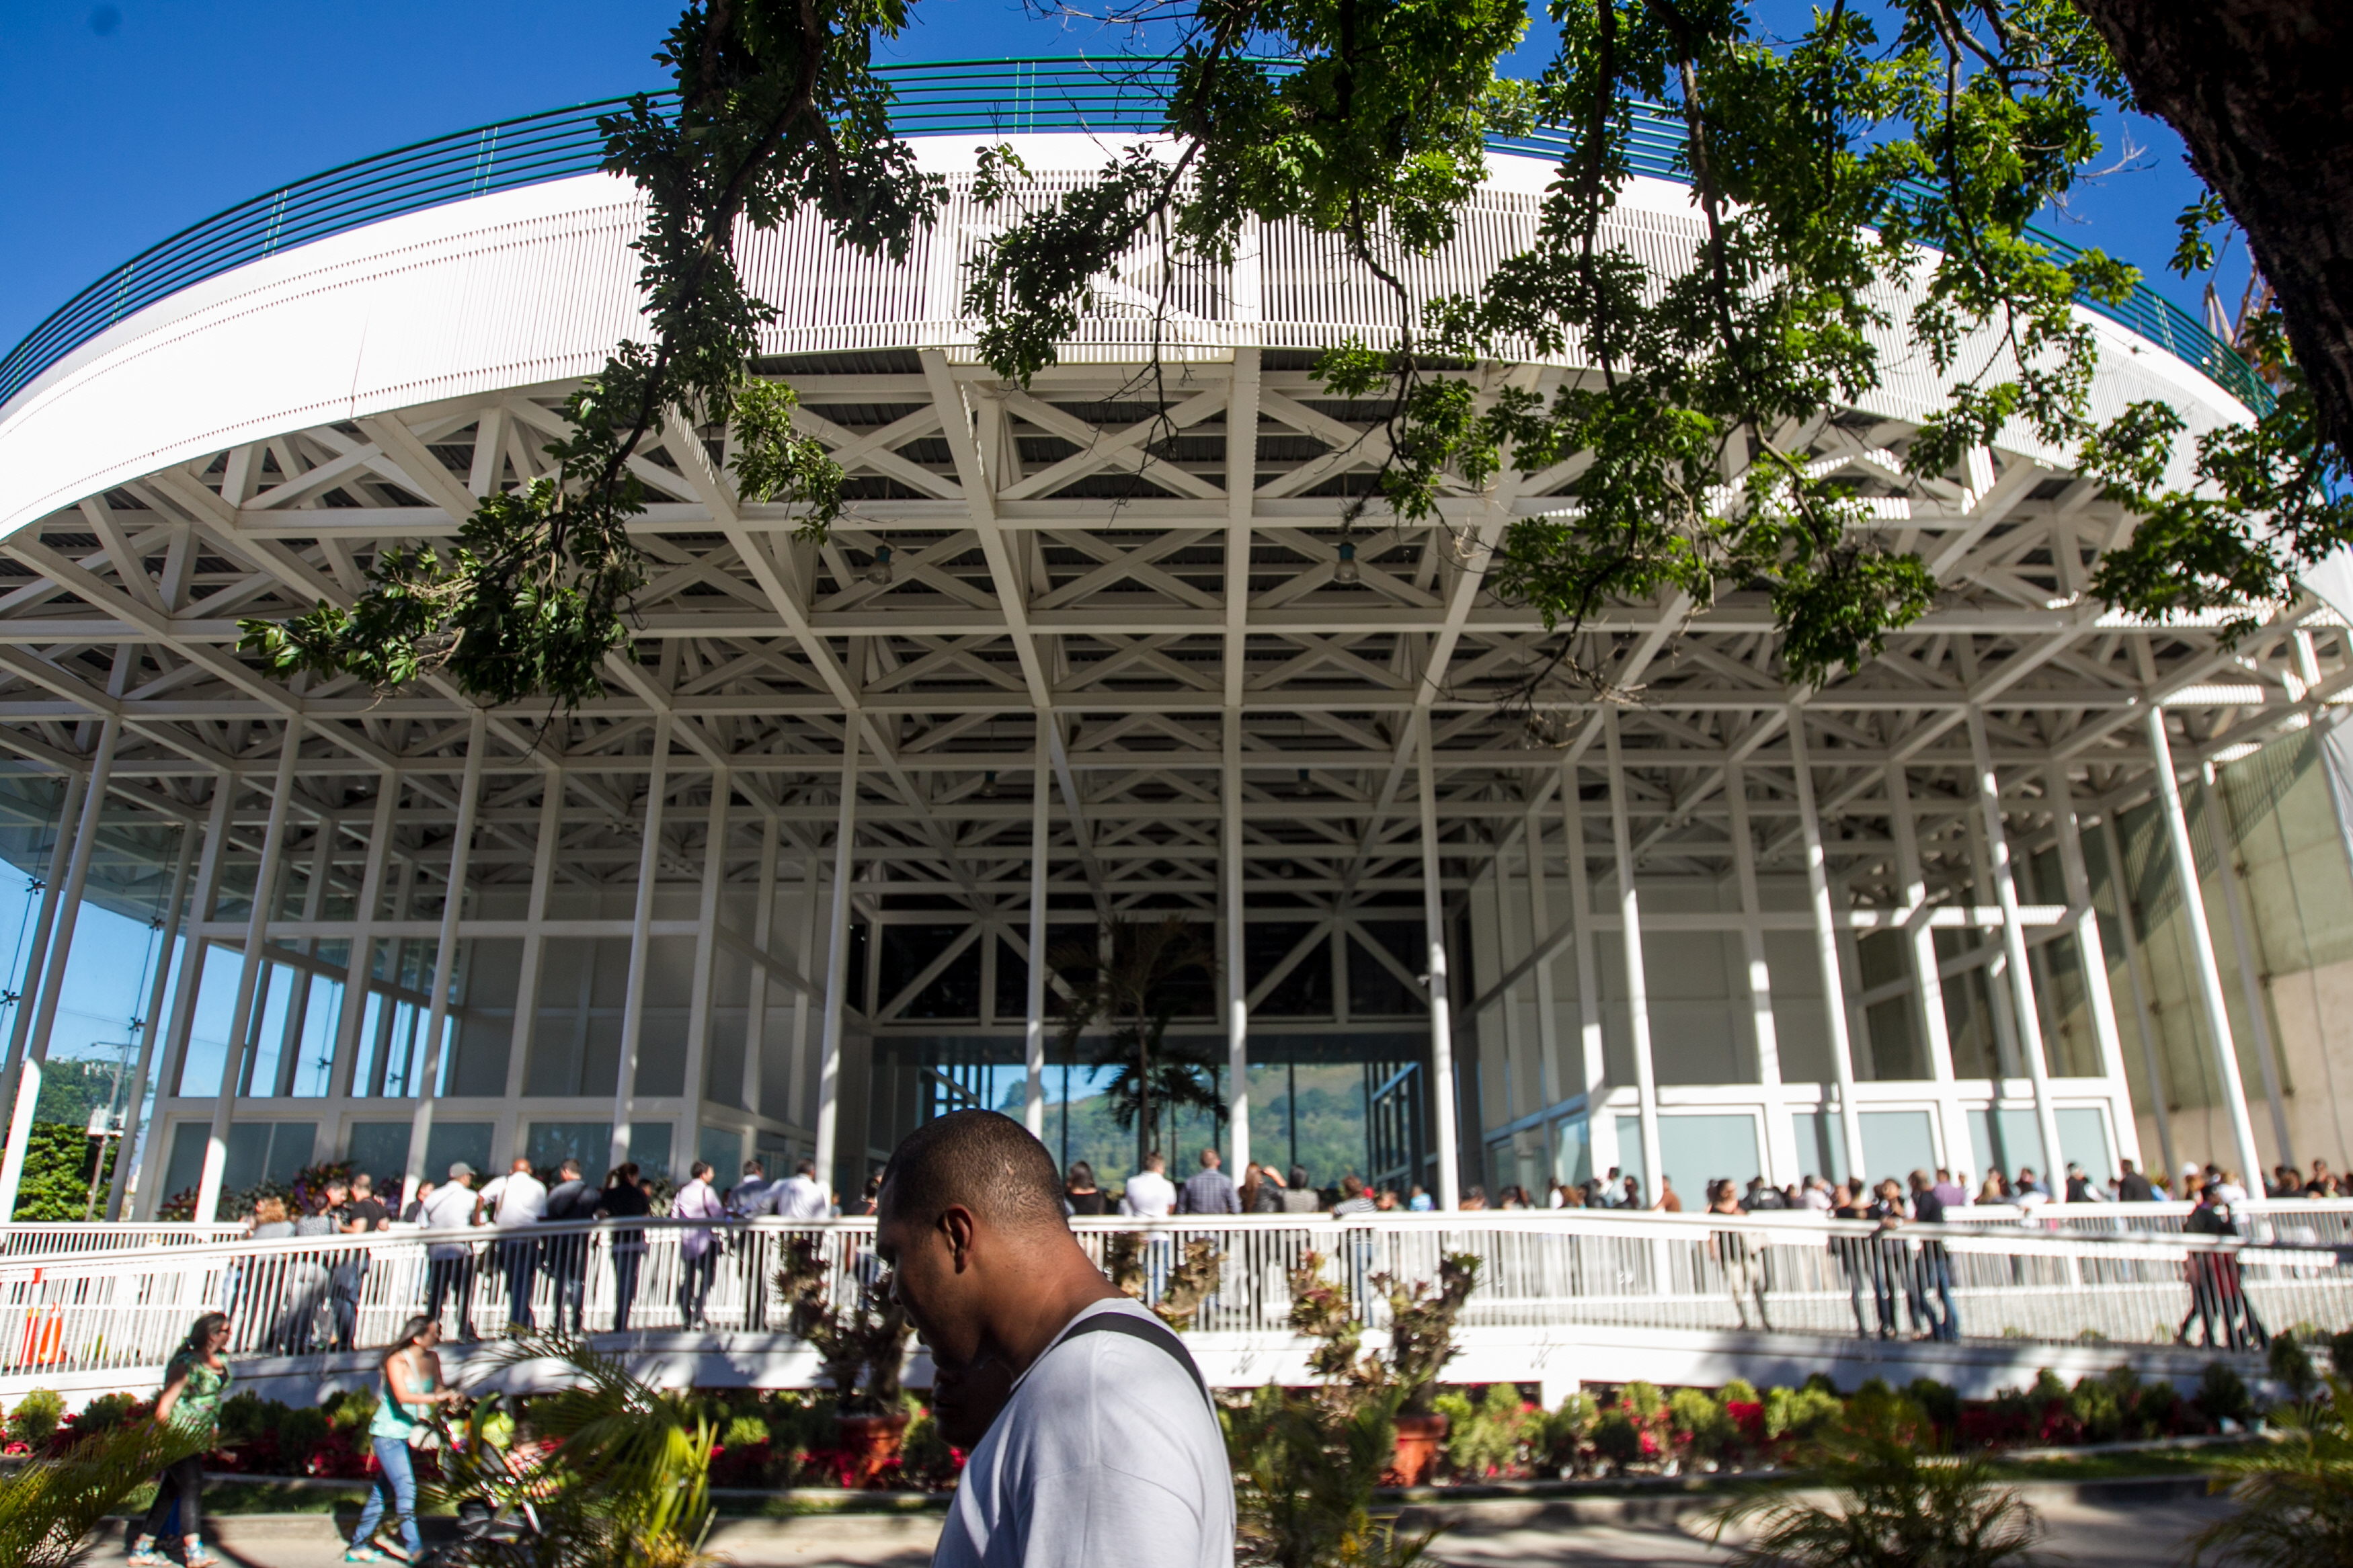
(2222, 1394)
(1644, 1400)
(36, 1418)
(1558, 1443)
(744, 1432)
(1484, 1437)
(1940, 1401)
(1739, 1391)
(1616, 1437)
(2291, 1364)
(351, 1410)
(2340, 1353)
(1801, 1413)
(1702, 1423)
(105, 1413)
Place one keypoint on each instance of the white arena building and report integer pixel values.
(776, 889)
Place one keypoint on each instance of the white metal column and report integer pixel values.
(359, 967)
(1826, 956)
(1442, 1028)
(151, 1026)
(2251, 969)
(2201, 945)
(534, 952)
(706, 954)
(752, 1092)
(1540, 917)
(59, 955)
(2014, 953)
(1237, 985)
(37, 951)
(1638, 985)
(2093, 949)
(248, 978)
(154, 1167)
(633, 1001)
(1928, 979)
(1783, 1162)
(1034, 1016)
(836, 958)
(427, 1086)
(1601, 1125)
(2125, 914)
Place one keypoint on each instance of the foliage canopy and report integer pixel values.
(1867, 189)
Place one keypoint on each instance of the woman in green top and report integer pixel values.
(193, 1383)
(413, 1386)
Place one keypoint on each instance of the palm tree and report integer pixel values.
(1134, 975)
(49, 1507)
(2294, 1496)
(626, 1484)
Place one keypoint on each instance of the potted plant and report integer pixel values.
(861, 1353)
(1421, 1341)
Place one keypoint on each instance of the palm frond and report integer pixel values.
(2294, 1496)
(48, 1507)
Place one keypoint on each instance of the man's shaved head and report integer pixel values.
(982, 1160)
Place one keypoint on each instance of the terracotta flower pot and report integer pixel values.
(872, 1442)
(1418, 1438)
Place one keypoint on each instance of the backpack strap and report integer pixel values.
(1152, 1332)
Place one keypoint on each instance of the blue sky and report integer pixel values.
(123, 121)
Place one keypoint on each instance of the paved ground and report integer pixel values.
(2117, 1526)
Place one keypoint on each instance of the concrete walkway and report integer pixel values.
(2118, 1524)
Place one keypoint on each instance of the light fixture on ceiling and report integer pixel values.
(879, 572)
(1345, 570)
(1302, 788)
(988, 784)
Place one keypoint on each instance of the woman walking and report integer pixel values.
(412, 1386)
(194, 1382)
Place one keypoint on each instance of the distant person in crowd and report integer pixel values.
(1299, 1193)
(1209, 1190)
(2132, 1187)
(2080, 1188)
(802, 1196)
(2027, 1189)
(1419, 1200)
(697, 1248)
(1761, 1197)
(1252, 1175)
(871, 1198)
(1476, 1199)
(2218, 1297)
(1953, 1195)
(1889, 1257)
(195, 1380)
(1630, 1193)
(361, 1215)
(567, 1255)
(1932, 1265)
(2230, 1189)
(1509, 1198)
(306, 1280)
(1080, 1193)
(753, 1197)
(515, 1204)
(412, 1385)
(2322, 1184)
(1667, 1202)
(1108, 1448)
(1353, 1197)
(1743, 1262)
(1386, 1200)
(1858, 1256)
(449, 1263)
(625, 1199)
(414, 1212)
(1270, 1193)
(1150, 1193)
(1816, 1196)
(1995, 1189)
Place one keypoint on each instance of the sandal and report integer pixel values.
(198, 1557)
(147, 1557)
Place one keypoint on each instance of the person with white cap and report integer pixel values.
(449, 1263)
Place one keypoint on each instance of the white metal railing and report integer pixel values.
(126, 1308)
(45, 1238)
(2304, 1222)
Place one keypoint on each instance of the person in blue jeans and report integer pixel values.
(412, 1386)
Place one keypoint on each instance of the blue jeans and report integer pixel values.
(1936, 1278)
(396, 1478)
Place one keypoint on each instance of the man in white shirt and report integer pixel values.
(449, 1264)
(516, 1200)
(1107, 1449)
(1150, 1193)
(802, 1196)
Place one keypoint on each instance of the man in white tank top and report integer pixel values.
(1107, 1449)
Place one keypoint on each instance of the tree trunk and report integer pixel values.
(2259, 90)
